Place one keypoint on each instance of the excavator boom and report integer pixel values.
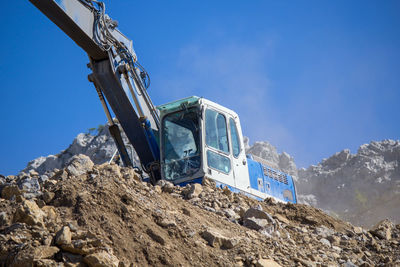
(117, 75)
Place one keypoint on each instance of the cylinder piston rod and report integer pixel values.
(113, 128)
(123, 69)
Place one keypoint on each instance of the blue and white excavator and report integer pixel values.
(182, 141)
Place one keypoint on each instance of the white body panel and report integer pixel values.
(238, 175)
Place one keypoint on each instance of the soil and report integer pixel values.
(109, 211)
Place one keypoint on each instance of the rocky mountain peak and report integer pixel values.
(388, 149)
(337, 160)
(99, 146)
(360, 187)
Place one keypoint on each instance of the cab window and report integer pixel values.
(235, 138)
(216, 131)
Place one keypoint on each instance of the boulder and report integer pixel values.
(51, 215)
(30, 255)
(156, 236)
(101, 259)
(157, 189)
(165, 223)
(383, 229)
(30, 185)
(258, 219)
(48, 196)
(81, 247)
(166, 186)
(357, 230)
(258, 214)
(79, 164)
(9, 191)
(194, 191)
(230, 213)
(323, 231)
(63, 237)
(335, 240)
(45, 252)
(111, 169)
(29, 213)
(325, 242)
(130, 173)
(266, 263)
(73, 259)
(282, 218)
(216, 239)
(255, 224)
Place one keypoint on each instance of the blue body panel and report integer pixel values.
(278, 189)
(272, 182)
(152, 140)
(262, 178)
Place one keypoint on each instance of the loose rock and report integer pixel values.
(29, 213)
(101, 259)
(9, 191)
(63, 237)
(79, 164)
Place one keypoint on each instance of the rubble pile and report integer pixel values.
(104, 215)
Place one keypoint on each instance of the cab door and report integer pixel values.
(238, 154)
(217, 150)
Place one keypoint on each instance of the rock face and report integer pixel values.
(99, 148)
(363, 188)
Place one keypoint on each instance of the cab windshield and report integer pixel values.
(180, 139)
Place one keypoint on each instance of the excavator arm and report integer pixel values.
(116, 74)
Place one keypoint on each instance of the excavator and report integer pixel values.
(181, 142)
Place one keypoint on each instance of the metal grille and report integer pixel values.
(276, 175)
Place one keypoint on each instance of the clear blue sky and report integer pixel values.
(311, 77)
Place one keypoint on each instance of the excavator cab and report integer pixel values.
(200, 138)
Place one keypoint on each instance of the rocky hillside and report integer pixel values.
(103, 215)
(361, 188)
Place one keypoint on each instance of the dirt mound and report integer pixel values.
(104, 215)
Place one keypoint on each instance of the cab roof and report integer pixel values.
(191, 102)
